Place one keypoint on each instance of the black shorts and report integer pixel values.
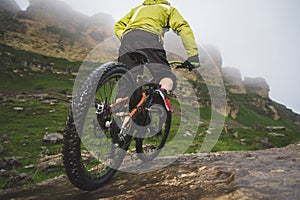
(150, 44)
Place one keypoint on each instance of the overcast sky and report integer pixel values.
(260, 37)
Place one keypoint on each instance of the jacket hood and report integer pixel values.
(152, 2)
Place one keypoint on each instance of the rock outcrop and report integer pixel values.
(236, 85)
(257, 86)
(209, 54)
(233, 80)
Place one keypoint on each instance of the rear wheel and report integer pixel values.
(91, 152)
(153, 137)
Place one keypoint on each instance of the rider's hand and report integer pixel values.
(192, 62)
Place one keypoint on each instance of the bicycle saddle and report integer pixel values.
(139, 57)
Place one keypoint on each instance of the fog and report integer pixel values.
(260, 37)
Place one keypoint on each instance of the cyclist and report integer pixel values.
(143, 29)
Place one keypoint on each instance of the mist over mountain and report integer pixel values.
(53, 28)
(56, 13)
(9, 6)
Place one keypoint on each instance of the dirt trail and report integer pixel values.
(268, 174)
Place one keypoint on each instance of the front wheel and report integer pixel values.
(90, 154)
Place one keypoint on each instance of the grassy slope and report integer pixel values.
(15, 76)
(26, 129)
(250, 138)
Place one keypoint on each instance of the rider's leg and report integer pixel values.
(167, 84)
(163, 75)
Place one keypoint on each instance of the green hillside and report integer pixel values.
(35, 99)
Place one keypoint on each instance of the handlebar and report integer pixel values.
(180, 64)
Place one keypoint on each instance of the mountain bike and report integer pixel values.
(102, 124)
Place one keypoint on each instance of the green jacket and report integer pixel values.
(157, 16)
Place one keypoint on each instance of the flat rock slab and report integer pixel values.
(267, 174)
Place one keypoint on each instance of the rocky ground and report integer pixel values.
(267, 174)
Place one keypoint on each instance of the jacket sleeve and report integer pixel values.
(120, 26)
(181, 27)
